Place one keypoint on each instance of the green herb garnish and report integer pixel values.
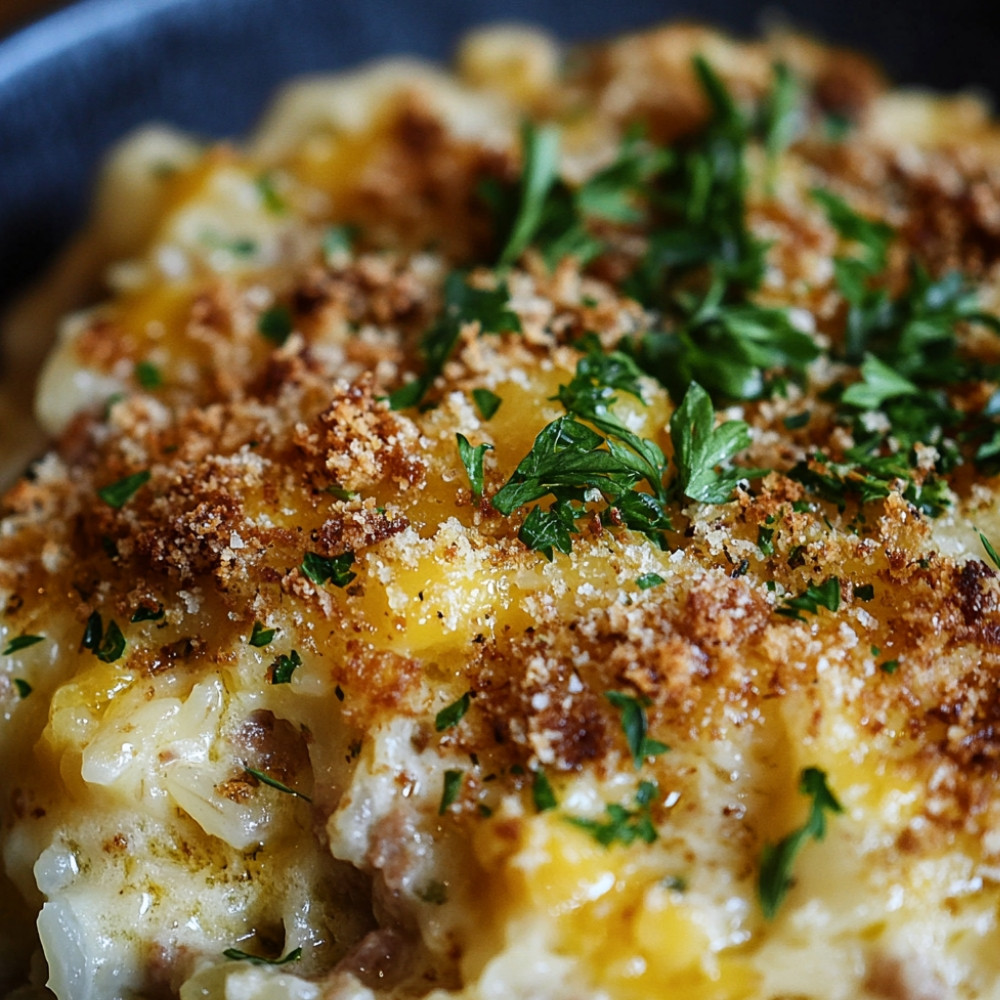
(275, 324)
(339, 240)
(23, 687)
(22, 642)
(241, 956)
(119, 493)
(266, 779)
(260, 636)
(542, 794)
(776, 861)
(472, 459)
(452, 786)
(284, 666)
(703, 451)
(486, 402)
(148, 375)
(636, 726)
(144, 613)
(649, 580)
(112, 645)
(815, 596)
(624, 825)
(462, 304)
(990, 551)
(453, 713)
(328, 569)
(268, 192)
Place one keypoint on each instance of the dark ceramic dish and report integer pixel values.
(74, 82)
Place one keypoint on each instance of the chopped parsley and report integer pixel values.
(579, 463)
(452, 714)
(775, 878)
(241, 956)
(487, 402)
(542, 794)
(472, 459)
(815, 596)
(462, 304)
(866, 592)
(260, 636)
(540, 145)
(119, 493)
(107, 645)
(269, 195)
(284, 666)
(23, 687)
(328, 569)
(636, 726)
(144, 613)
(624, 825)
(266, 779)
(765, 540)
(148, 375)
(22, 642)
(338, 240)
(649, 580)
(782, 117)
(275, 324)
(450, 790)
(703, 451)
(990, 551)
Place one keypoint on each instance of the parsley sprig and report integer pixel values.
(463, 303)
(775, 878)
(589, 456)
(624, 825)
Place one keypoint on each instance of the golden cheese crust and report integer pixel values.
(294, 706)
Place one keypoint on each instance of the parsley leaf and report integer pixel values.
(280, 786)
(275, 324)
(727, 347)
(148, 375)
(338, 240)
(624, 825)
(782, 114)
(578, 464)
(649, 580)
(486, 402)
(450, 789)
(775, 878)
(260, 636)
(990, 551)
(23, 687)
(462, 304)
(701, 448)
(635, 726)
(452, 714)
(107, 645)
(815, 596)
(144, 613)
(472, 459)
(540, 171)
(241, 956)
(22, 642)
(284, 666)
(328, 569)
(542, 794)
(119, 493)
